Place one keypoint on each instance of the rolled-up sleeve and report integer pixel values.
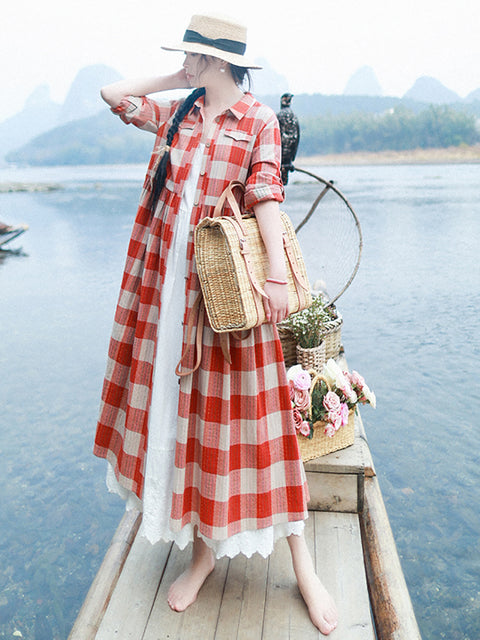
(264, 181)
(144, 113)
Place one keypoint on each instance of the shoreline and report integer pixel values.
(448, 155)
(28, 187)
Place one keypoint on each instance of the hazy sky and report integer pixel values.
(316, 44)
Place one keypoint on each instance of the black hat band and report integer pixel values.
(232, 46)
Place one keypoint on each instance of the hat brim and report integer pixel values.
(205, 49)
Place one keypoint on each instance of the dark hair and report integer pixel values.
(161, 171)
(240, 74)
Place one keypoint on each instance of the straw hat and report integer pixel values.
(216, 36)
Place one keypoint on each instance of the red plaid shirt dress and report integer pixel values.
(237, 464)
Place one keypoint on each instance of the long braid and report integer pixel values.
(161, 171)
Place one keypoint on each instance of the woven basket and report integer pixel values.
(289, 345)
(332, 337)
(321, 444)
(232, 266)
(313, 358)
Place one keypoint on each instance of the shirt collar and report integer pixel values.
(239, 109)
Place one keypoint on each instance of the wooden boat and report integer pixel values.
(257, 599)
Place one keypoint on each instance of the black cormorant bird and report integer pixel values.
(290, 132)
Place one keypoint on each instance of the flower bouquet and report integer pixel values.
(316, 332)
(323, 407)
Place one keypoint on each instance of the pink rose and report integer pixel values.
(301, 398)
(329, 430)
(344, 413)
(302, 380)
(335, 417)
(357, 380)
(347, 391)
(297, 419)
(305, 428)
(291, 388)
(331, 401)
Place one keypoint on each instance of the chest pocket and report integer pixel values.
(236, 146)
(185, 134)
(238, 136)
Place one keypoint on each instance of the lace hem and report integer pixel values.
(259, 541)
(249, 542)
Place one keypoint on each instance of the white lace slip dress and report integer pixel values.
(162, 427)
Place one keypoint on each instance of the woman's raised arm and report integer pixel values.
(114, 93)
(267, 214)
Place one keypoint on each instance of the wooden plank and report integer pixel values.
(243, 602)
(134, 595)
(354, 459)
(339, 554)
(333, 492)
(390, 600)
(163, 622)
(99, 594)
(200, 619)
(243, 598)
(286, 615)
(369, 466)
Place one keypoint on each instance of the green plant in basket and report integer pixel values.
(307, 326)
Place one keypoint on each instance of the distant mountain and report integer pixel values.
(267, 81)
(473, 96)
(363, 82)
(99, 139)
(39, 114)
(431, 91)
(307, 105)
(83, 98)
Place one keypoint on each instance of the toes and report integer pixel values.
(328, 629)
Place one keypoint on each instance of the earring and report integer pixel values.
(222, 69)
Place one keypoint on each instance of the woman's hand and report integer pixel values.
(276, 306)
(179, 80)
(269, 224)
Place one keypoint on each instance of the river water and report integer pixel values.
(411, 327)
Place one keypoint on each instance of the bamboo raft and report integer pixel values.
(257, 599)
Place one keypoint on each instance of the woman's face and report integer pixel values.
(199, 69)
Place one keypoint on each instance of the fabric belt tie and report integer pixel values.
(197, 312)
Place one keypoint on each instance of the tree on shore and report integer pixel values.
(396, 130)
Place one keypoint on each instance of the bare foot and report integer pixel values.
(320, 604)
(183, 592)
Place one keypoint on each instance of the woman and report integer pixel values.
(212, 459)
